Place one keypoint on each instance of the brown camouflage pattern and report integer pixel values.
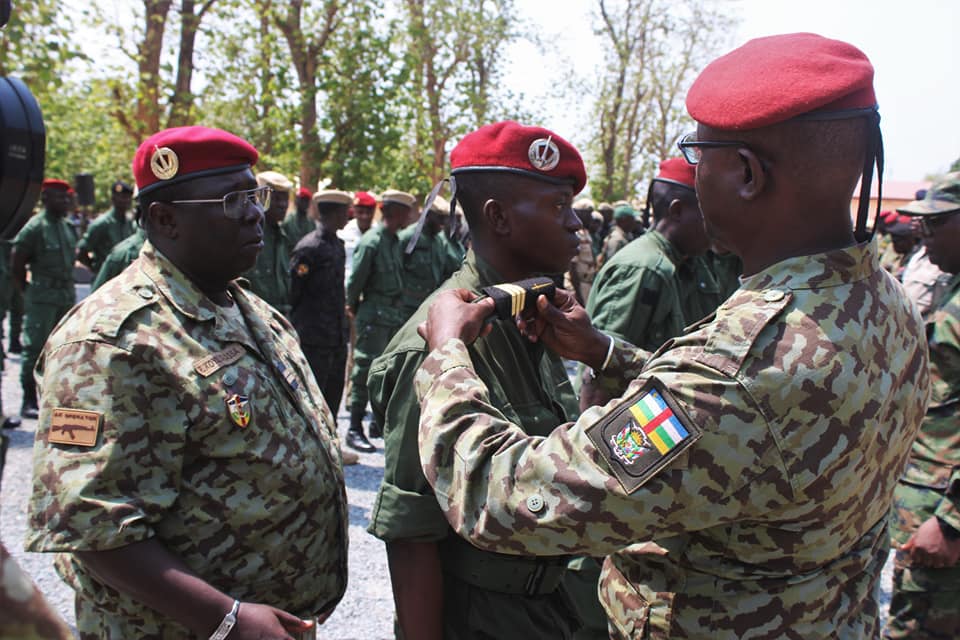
(926, 601)
(258, 512)
(24, 614)
(809, 385)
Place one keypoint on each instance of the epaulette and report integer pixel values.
(107, 319)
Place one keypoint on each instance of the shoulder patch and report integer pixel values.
(645, 433)
(74, 426)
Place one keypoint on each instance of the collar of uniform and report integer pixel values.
(820, 270)
(665, 245)
(175, 285)
(479, 272)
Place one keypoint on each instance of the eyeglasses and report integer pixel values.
(235, 201)
(929, 224)
(691, 148)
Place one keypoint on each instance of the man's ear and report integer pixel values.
(161, 217)
(496, 217)
(675, 210)
(754, 179)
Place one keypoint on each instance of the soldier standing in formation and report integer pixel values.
(364, 207)
(762, 448)
(224, 508)
(429, 264)
(48, 245)
(298, 223)
(583, 267)
(374, 300)
(625, 223)
(926, 514)
(107, 230)
(270, 278)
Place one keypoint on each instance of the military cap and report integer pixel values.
(179, 154)
(584, 204)
(397, 197)
(332, 196)
(597, 216)
(512, 147)
(942, 197)
(777, 78)
(605, 207)
(440, 205)
(625, 211)
(677, 171)
(364, 199)
(121, 187)
(52, 184)
(274, 180)
(901, 226)
(303, 192)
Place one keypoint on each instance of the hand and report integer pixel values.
(263, 622)
(928, 547)
(453, 315)
(565, 328)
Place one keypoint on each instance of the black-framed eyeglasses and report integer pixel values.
(235, 201)
(930, 224)
(691, 148)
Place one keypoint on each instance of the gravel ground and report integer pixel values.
(366, 611)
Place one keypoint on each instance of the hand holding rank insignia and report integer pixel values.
(513, 299)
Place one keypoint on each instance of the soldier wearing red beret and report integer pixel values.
(299, 222)
(186, 463)
(761, 448)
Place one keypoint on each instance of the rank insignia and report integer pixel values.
(302, 269)
(643, 434)
(288, 374)
(238, 408)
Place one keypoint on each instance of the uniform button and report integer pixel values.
(229, 378)
(535, 504)
(773, 295)
(145, 292)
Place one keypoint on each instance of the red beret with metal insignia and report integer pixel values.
(531, 151)
(679, 171)
(53, 184)
(774, 79)
(364, 199)
(303, 192)
(184, 153)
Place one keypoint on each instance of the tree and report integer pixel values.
(654, 48)
(36, 44)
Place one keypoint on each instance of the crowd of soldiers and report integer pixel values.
(759, 409)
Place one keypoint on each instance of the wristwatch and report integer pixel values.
(226, 625)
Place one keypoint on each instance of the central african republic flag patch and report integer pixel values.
(643, 434)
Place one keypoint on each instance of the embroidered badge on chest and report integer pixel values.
(238, 408)
(643, 434)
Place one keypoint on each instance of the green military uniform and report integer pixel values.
(296, 225)
(121, 257)
(49, 244)
(270, 278)
(103, 234)
(236, 468)
(926, 601)
(484, 593)
(727, 269)
(759, 450)
(374, 290)
(425, 268)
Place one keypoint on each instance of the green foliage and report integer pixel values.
(956, 165)
(36, 44)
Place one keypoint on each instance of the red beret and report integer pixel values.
(364, 199)
(55, 185)
(679, 171)
(184, 153)
(773, 79)
(303, 192)
(531, 151)
(888, 217)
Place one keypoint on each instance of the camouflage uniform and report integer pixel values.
(584, 266)
(258, 512)
(923, 281)
(799, 401)
(423, 270)
(103, 234)
(270, 277)
(614, 242)
(926, 601)
(50, 245)
(297, 225)
(483, 592)
(121, 257)
(26, 615)
(374, 288)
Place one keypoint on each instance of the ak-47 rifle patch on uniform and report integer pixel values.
(643, 435)
(74, 426)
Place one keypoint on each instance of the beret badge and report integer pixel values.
(164, 163)
(544, 154)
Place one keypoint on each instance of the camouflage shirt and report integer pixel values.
(208, 433)
(26, 615)
(790, 416)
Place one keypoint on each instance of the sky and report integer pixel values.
(913, 46)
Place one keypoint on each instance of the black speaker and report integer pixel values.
(23, 140)
(83, 183)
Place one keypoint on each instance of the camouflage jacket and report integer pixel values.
(26, 615)
(103, 234)
(934, 467)
(614, 242)
(207, 432)
(760, 450)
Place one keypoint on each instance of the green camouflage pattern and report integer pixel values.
(807, 387)
(121, 257)
(616, 240)
(583, 267)
(26, 615)
(259, 512)
(942, 197)
(296, 225)
(269, 278)
(104, 233)
(527, 383)
(925, 600)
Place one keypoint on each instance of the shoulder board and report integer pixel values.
(123, 302)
